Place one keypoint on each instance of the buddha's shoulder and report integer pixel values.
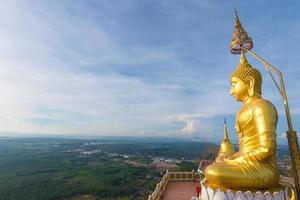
(263, 104)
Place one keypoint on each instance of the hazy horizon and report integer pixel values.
(119, 137)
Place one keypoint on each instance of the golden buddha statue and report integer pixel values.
(254, 165)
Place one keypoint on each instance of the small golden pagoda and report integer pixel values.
(226, 147)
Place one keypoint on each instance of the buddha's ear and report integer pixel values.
(250, 83)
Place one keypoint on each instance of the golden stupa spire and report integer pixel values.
(226, 138)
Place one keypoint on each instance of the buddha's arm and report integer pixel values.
(266, 149)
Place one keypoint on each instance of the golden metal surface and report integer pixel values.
(254, 165)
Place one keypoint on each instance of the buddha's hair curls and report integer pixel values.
(245, 70)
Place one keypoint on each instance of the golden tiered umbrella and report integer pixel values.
(240, 37)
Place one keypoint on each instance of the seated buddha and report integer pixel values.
(254, 164)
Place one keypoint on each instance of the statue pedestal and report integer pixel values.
(207, 193)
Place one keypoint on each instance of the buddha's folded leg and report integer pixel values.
(237, 176)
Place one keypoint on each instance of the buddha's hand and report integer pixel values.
(233, 160)
(220, 159)
(229, 160)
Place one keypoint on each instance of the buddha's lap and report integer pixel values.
(241, 171)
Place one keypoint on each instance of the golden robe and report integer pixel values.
(254, 165)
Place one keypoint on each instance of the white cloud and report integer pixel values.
(189, 127)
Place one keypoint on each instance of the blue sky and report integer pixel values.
(137, 67)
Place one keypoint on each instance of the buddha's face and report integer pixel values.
(239, 89)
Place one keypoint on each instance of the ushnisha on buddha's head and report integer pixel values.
(246, 81)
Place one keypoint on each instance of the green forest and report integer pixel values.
(53, 169)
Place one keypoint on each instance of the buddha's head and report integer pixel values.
(246, 81)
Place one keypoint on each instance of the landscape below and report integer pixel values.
(75, 169)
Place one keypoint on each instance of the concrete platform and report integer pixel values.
(180, 190)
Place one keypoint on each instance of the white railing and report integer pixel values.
(173, 176)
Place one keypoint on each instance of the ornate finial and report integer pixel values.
(236, 17)
(235, 13)
(240, 37)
